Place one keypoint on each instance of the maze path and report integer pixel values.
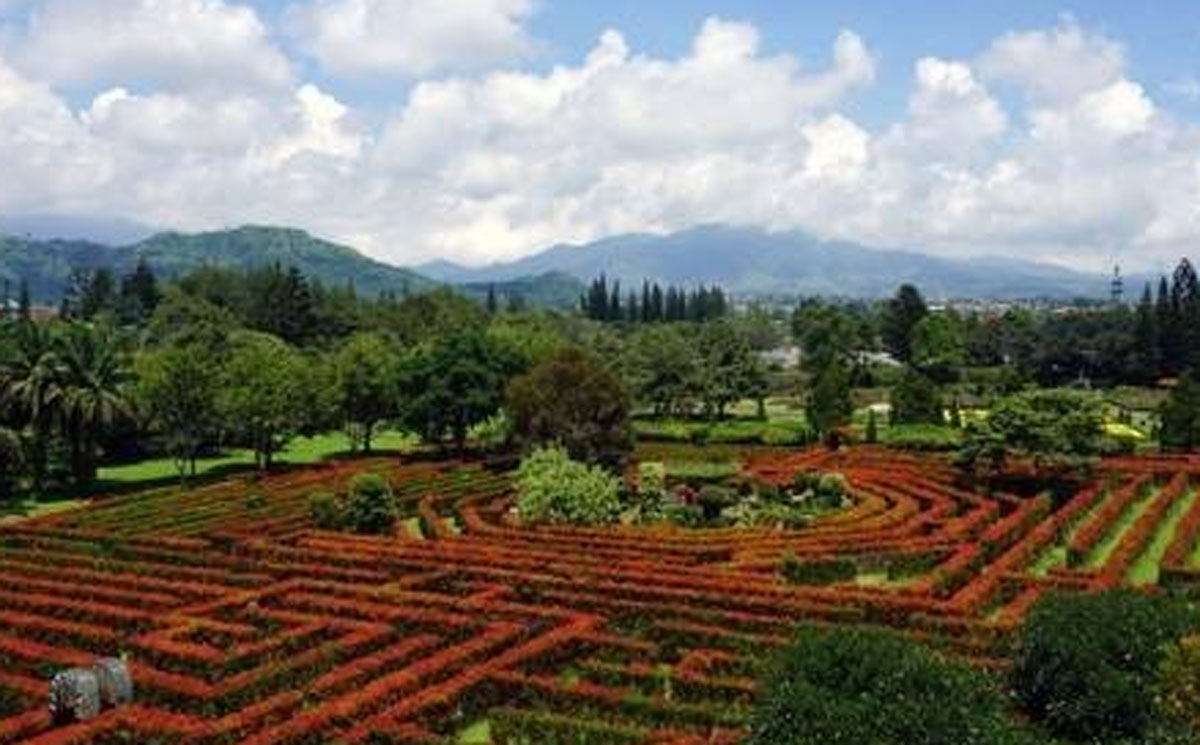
(245, 625)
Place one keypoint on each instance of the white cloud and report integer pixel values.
(172, 43)
(503, 163)
(1055, 65)
(411, 37)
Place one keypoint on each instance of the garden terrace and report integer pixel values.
(244, 624)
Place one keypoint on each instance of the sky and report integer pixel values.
(485, 130)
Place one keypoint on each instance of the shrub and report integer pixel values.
(1086, 664)
(553, 488)
(922, 437)
(712, 499)
(819, 572)
(851, 686)
(371, 508)
(1178, 688)
(326, 510)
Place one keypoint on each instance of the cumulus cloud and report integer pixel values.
(411, 37)
(501, 163)
(173, 43)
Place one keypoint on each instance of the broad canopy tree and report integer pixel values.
(573, 400)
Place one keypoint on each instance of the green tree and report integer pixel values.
(555, 489)
(1057, 432)
(829, 406)
(177, 390)
(842, 686)
(938, 346)
(366, 372)
(139, 293)
(915, 400)
(660, 365)
(1180, 415)
(729, 370)
(454, 384)
(1086, 665)
(264, 393)
(95, 393)
(31, 391)
(900, 317)
(573, 400)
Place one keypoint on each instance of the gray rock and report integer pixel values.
(116, 685)
(74, 696)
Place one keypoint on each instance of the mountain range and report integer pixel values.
(749, 261)
(744, 261)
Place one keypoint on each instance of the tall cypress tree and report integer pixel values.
(1147, 338)
(1167, 333)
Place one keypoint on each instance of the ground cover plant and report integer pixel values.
(246, 622)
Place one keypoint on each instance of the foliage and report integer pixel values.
(938, 346)
(829, 406)
(1178, 684)
(1180, 415)
(177, 391)
(922, 437)
(1054, 430)
(366, 373)
(326, 510)
(915, 400)
(572, 399)
(899, 320)
(816, 572)
(1085, 665)
(454, 384)
(265, 393)
(555, 489)
(849, 686)
(371, 507)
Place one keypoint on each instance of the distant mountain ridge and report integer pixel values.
(47, 264)
(749, 261)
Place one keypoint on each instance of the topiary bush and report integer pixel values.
(1086, 665)
(326, 510)
(371, 507)
(553, 488)
(842, 686)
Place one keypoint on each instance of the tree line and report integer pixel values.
(604, 302)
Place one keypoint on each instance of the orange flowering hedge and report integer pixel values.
(244, 624)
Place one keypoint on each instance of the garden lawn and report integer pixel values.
(1145, 569)
(300, 451)
(1102, 550)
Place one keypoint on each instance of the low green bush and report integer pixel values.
(922, 437)
(371, 507)
(844, 686)
(1086, 665)
(326, 510)
(553, 488)
(818, 572)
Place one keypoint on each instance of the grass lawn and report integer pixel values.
(27, 509)
(479, 733)
(1102, 550)
(300, 451)
(1145, 569)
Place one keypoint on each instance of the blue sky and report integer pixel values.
(482, 130)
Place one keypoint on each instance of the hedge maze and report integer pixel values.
(243, 624)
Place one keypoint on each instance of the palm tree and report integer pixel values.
(95, 393)
(30, 390)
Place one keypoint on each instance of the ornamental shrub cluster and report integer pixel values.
(844, 686)
(1086, 665)
(369, 508)
(552, 488)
